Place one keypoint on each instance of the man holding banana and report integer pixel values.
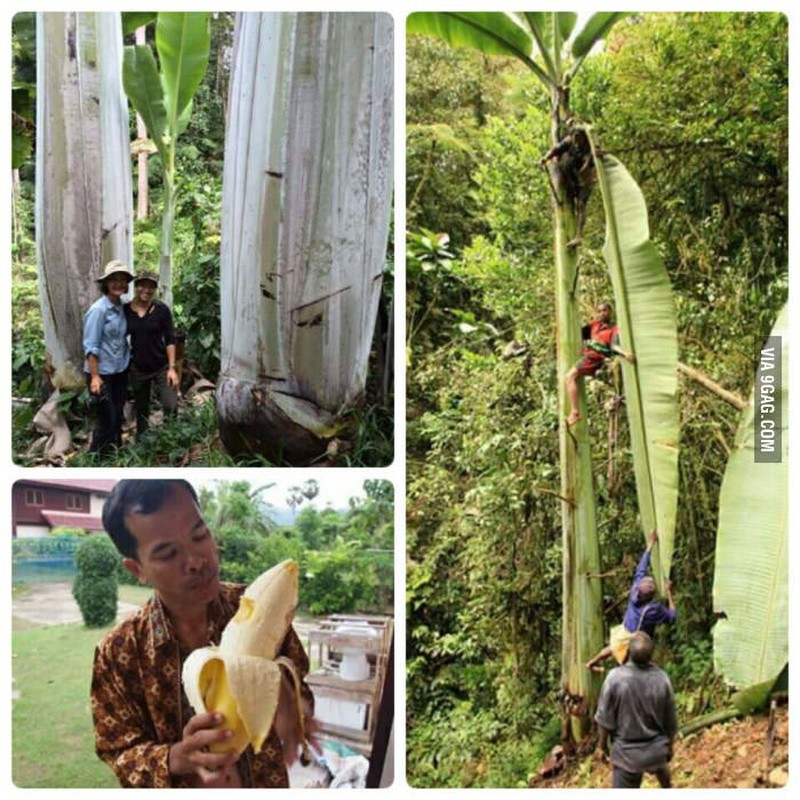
(145, 728)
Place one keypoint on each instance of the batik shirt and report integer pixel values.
(139, 707)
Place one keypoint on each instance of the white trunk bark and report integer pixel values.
(142, 163)
(83, 180)
(306, 206)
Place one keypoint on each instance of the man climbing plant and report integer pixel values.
(575, 171)
(602, 342)
(642, 614)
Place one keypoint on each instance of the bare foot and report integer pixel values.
(573, 418)
(574, 242)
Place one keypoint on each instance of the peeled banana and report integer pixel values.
(241, 678)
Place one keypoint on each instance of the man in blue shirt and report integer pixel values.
(637, 710)
(642, 613)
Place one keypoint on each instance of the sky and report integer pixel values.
(335, 487)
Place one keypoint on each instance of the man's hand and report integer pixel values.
(652, 538)
(287, 722)
(668, 586)
(172, 378)
(95, 384)
(601, 755)
(190, 756)
(629, 357)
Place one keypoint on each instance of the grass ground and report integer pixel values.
(52, 736)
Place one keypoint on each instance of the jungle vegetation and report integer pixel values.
(695, 106)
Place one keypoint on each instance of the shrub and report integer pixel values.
(95, 585)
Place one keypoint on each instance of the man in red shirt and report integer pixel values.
(602, 342)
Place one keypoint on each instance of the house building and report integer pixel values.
(38, 506)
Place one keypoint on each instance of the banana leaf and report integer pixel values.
(493, 33)
(182, 41)
(751, 591)
(646, 317)
(143, 87)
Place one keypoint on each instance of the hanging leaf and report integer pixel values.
(646, 316)
(143, 87)
(751, 589)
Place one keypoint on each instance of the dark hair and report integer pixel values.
(640, 648)
(144, 496)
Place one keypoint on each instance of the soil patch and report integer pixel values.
(726, 756)
(53, 604)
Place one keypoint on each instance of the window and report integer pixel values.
(34, 497)
(74, 502)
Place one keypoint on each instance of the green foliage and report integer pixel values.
(484, 553)
(62, 531)
(95, 585)
(345, 558)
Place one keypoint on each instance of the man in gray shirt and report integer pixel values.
(637, 709)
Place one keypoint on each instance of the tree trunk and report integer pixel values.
(306, 207)
(142, 172)
(582, 621)
(83, 182)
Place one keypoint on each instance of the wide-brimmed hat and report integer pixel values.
(112, 268)
(146, 275)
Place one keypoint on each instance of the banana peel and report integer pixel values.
(241, 677)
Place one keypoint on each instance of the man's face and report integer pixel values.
(177, 554)
(647, 587)
(604, 313)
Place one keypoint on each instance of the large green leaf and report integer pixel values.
(182, 42)
(143, 87)
(646, 316)
(595, 29)
(493, 33)
(751, 590)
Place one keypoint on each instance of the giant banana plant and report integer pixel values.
(83, 176)
(646, 317)
(751, 570)
(163, 99)
(549, 45)
(306, 205)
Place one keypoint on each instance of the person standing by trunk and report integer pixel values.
(107, 356)
(637, 710)
(153, 350)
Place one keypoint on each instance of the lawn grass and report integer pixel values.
(52, 735)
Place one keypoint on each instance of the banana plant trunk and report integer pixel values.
(306, 208)
(84, 215)
(582, 620)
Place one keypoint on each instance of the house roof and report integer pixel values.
(70, 519)
(98, 485)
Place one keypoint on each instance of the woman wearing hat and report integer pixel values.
(153, 350)
(105, 346)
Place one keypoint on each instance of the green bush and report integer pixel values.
(95, 585)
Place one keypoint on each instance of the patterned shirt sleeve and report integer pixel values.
(122, 736)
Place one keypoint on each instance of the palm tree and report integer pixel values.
(307, 193)
(549, 45)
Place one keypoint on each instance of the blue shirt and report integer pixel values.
(105, 336)
(654, 613)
